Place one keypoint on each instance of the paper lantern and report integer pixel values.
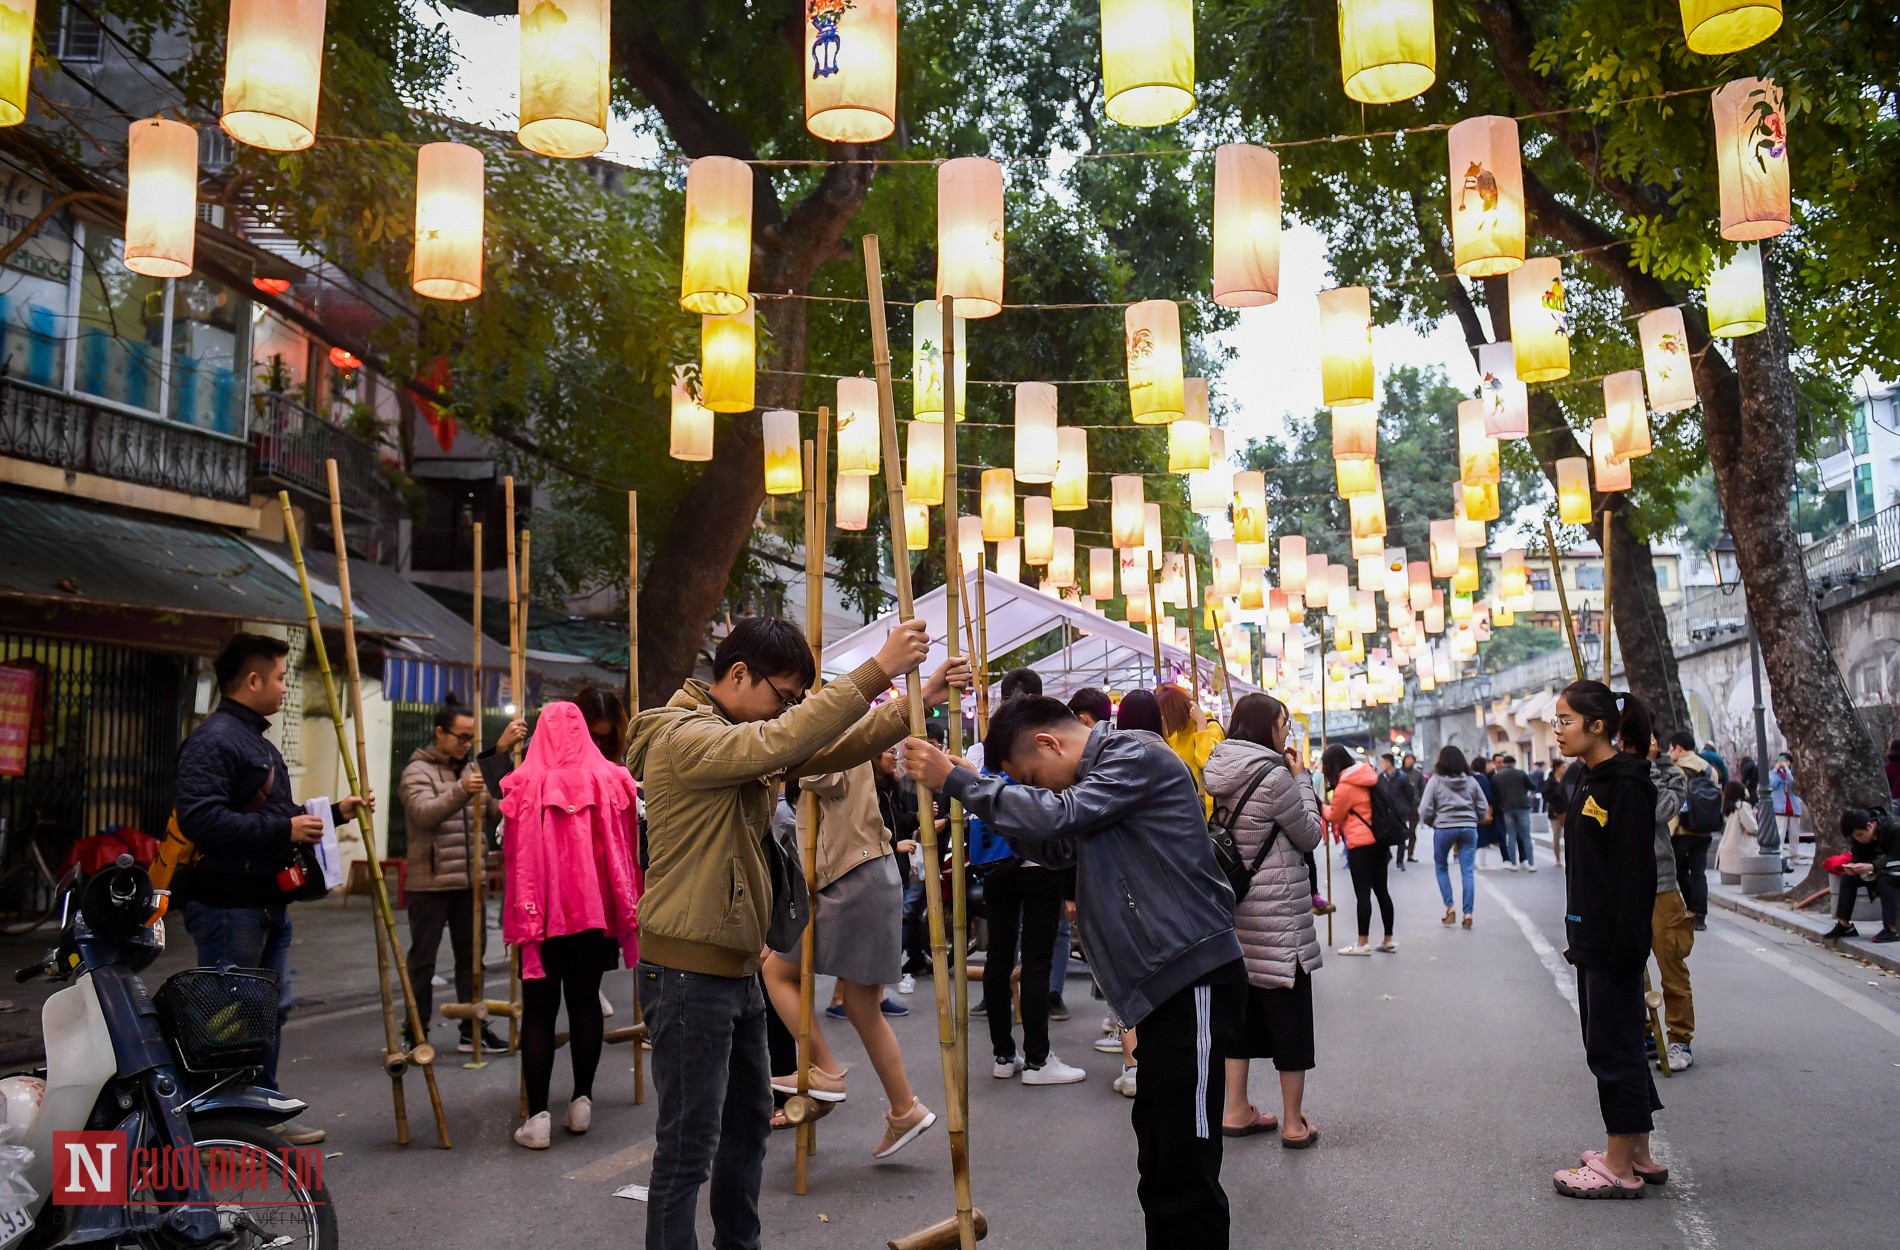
(1487, 196)
(1260, 553)
(1155, 385)
(1368, 516)
(1738, 303)
(1667, 367)
(1101, 573)
(1444, 548)
(716, 264)
(970, 543)
(1467, 579)
(1190, 442)
(1147, 61)
(1418, 585)
(728, 360)
(1070, 490)
(1135, 569)
(1371, 545)
(1036, 449)
(1009, 560)
(1354, 477)
(784, 467)
(273, 67)
(926, 363)
(1481, 504)
(923, 464)
(998, 505)
(1458, 607)
(1434, 613)
(1627, 415)
(161, 197)
(1540, 320)
(1126, 524)
(565, 76)
(1513, 575)
(853, 501)
(1365, 613)
(850, 69)
(1226, 566)
(1062, 558)
(692, 427)
(1507, 401)
(1387, 51)
(1573, 490)
(1355, 433)
(970, 235)
(1151, 531)
(1345, 347)
(1253, 588)
(1039, 530)
(1477, 451)
(1318, 581)
(1250, 506)
(1279, 619)
(1246, 225)
(1293, 563)
(1718, 27)
(1751, 159)
(1135, 606)
(1611, 472)
(857, 427)
(1338, 591)
(1171, 586)
(448, 259)
(916, 525)
(1395, 579)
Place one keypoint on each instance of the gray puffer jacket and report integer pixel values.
(1453, 802)
(1275, 921)
(440, 822)
(1672, 787)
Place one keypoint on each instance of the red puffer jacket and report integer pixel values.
(1349, 815)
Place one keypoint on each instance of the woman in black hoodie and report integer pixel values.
(1610, 890)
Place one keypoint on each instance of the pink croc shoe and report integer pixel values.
(1653, 1175)
(1595, 1180)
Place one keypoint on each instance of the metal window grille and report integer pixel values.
(82, 41)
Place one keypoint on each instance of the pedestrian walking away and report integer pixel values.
(1349, 819)
(1512, 786)
(1454, 806)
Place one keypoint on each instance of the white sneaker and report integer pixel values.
(1053, 1072)
(1511, 866)
(907, 984)
(1125, 1083)
(606, 1008)
(1110, 1045)
(580, 1115)
(1109, 1025)
(1680, 1060)
(535, 1133)
(1006, 1068)
(1530, 868)
(1355, 950)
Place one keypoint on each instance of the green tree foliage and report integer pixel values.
(1513, 644)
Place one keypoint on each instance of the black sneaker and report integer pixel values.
(980, 1009)
(1840, 930)
(491, 1044)
(1887, 935)
(1058, 1010)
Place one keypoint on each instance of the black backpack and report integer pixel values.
(1701, 805)
(1389, 825)
(1220, 831)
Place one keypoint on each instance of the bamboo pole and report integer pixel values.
(816, 455)
(478, 841)
(1154, 612)
(521, 704)
(1322, 774)
(1563, 599)
(953, 608)
(633, 709)
(1226, 679)
(928, 857)
(980, 654)
(1608, 625)
(1194, 655)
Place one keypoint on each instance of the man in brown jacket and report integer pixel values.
(707, 764)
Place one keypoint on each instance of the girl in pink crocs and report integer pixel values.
(1610, 889)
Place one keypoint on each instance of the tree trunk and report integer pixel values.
(1749, 423)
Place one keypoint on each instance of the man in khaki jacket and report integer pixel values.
(707, 764)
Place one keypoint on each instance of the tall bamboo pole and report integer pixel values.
(478, 828)
(1322, 773)
(929, 857)
(1608, 625)
(521, 706)
(952, 609)
(1154, 612)
(1563, 598)
(633, 709)
(1194, 655)
(1226, 678)
(816, 456)
(980, 655)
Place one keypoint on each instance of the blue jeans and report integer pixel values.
(713, 1080)
(247, 937)
(1059, 965)
(1466, 840)
(1517, 837)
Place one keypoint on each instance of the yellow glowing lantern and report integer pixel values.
(853, 501)
(1355, 477)
(1426, 684)
(916, 525)
(1444, 546)
(1751, 159)
(161, 197)
(1147, 61)
(923, 464)
(1190, 445)
(970, 235)
(16, 57)
(970, 543)
(728, 360)
(1365, 613)
(1573, 490)
(1370, 545)
(1507, 401)
(1481, 504)
(1260, 553)
(1070, 490)
(1458, 607)
(1039, 530)
(857, 427)
(1009, 560)
(716, 265)
(1345, 348)
(1611, 472)
(1279, 618)
(850, 69)
(1037, 452)
(1487, 196)
(1246, 225)
(926, 363)
(1293, 563)
(1226, 555)
(564, 76)
(1540, 320)
(1101, 573)
(1667, 367)
(1253, 588)
(999, 505)
(1250, 506)
(1738, 303)
(1368, 516)
(1477, 451)
(1136, 606)
(1155, 385)
(1210, 492)
(1418, 588)
(1467, 579)
(692, 427)
(1387, 51)
(448, 258)
(1062, 558)
(1718, 27)
(1355, 433)
(784, 468)
(1513, 576)
(1318, 581)
(1626, 414)
(273, 66)
(1127, 526)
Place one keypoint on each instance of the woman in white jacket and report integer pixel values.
(1275, 920)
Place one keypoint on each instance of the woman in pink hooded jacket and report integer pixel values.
(573, 882)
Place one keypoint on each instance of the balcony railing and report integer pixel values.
(1858, 550)
(290, 444)
(70, 432)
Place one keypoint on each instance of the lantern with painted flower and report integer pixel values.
(1127, 525)
(1468, 577)
(970, 236)
(1147, 61)
(564, 76)
(1134, 566)
(1540, 320)
(1481, 503)
(692, 422)
(1477, 451)
(1719, 27)
(1155, 384)
(923, 464)
(784, 468)
(161, 197)
(1253, 588)
(1738, 303)
(1039, 530)
(273, 71)
(1487, 196)
(1751, 159)
(998, 504)
(853, 500)
(1667, 368)
(1246, 225)
(1190, 445)
(1513, 576)
(1626, 414)
(857, 427)
(728, 360)
(926, 362)
(1070, 490)
(1354, 477)
(1037, 452)
(1507, 401)
(1611, 472)
(1250, 506)
(1470, 531)
(1345, 348)
(1226, 555)
(1573, 490)
(1387, 49)
(716, 264)
(850, 69)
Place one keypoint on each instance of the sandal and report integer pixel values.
(1655, 1174)
(1467, 920)
(1261, 1123)
(778, 1119)
(1306, 1140)
(1450, 916)
(1595, 1180)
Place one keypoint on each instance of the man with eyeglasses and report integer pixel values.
(438, 790)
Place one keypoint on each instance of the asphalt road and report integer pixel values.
(1451, 1084)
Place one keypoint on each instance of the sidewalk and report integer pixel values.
(1810, 924)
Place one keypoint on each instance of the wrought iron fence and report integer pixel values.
(69, 432)
(290, 444)
(1857, 550)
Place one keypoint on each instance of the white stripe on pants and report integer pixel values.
(1203, 1042)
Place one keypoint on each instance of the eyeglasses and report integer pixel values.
(1565, 722)
(462, 738)
(784, 700)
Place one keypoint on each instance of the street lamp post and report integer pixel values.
(1728, 577)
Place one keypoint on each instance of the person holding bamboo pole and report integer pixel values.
(708, 763)
(234, 804)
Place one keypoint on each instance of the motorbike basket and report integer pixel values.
(220, 1019)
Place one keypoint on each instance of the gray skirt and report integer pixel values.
(860, 919)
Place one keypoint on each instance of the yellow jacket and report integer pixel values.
(1194, 746)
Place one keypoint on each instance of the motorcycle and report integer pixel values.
(171, 1078)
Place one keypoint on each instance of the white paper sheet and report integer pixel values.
(329, 854)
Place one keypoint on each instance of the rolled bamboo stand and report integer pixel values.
(952, 608)
(637, 1031)
(478, 841)
(816, 457)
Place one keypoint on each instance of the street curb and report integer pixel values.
(1775, 916)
